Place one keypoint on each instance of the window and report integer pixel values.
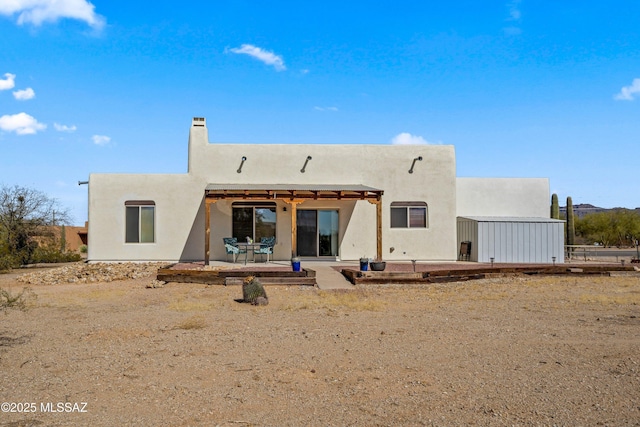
(409, 215)
(254, 220)
(140, 221)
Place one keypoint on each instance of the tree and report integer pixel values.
(619, 227)
(25, 214)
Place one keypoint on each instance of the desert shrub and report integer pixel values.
(83, 249)
(7, 262)
(194, 322)
(51, 254)
(19, 301)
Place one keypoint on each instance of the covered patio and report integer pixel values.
(293, 195)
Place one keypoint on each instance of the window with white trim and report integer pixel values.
(140, 221)
(409, 215)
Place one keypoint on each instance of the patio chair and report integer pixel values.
(465, 251)
(231, 246)
(266, 247)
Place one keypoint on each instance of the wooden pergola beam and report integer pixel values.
(282, 195)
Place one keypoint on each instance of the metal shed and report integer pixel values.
(512, 239)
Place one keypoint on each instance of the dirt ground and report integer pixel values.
(503, 351)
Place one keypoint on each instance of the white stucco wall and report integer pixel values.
(507, 197)
(180, 208)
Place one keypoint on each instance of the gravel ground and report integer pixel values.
(503, 351)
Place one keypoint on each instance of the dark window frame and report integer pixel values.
(413, 215)
(240, 231)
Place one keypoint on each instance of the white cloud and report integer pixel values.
(8, 82)
(514, 16)
(101, 139)
(627, 92)
(405, 138)
(326, 108)
(64, 128)
(24, 95)
(21, 124)
(514, 11)
(38, 11)
(260, 54)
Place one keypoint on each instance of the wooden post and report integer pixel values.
(207, 229)
(379, 230)
(294, 226)
(378, 203)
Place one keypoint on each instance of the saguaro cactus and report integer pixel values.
(571, 227)
(555, 207)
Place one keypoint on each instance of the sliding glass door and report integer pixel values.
(317, 232)
(307, 223)
(328, 233)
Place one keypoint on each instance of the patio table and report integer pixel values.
(247, 247)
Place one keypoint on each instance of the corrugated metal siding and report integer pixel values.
(468, 232)
(513, 241)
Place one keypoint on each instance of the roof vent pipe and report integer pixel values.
(244, 159)
(419, 158)
(305, 164)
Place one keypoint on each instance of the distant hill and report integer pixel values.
(583, 209)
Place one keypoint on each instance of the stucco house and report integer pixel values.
(395, 202)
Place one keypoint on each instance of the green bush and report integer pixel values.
(7, 262)
(83, 249)
(53, 255)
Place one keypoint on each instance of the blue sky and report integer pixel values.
(521, 88)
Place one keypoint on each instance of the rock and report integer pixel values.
(261, 301)
(91, 273)
(156, 284)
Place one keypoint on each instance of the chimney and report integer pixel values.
(198, 142)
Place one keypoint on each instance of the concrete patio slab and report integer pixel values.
(327, 277)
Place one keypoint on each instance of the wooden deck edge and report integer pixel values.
(357, 278)
(307, 277)
(266, 273)
(413, 281)
(441, 276)
(179, 278)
